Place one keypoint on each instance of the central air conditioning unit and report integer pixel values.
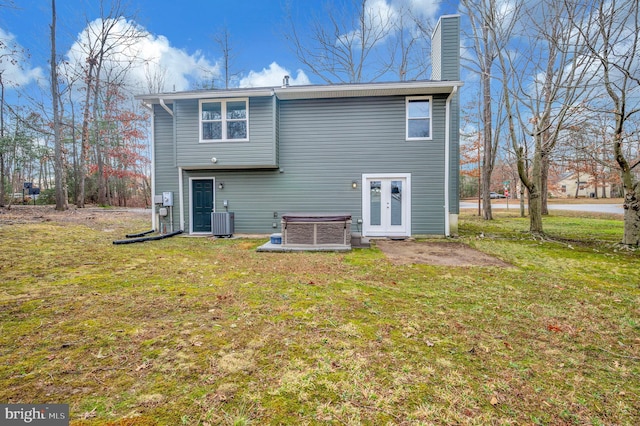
(222, 224)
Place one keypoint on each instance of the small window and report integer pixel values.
(418, 118)
(225, 120)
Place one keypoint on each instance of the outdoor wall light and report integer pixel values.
(354, 184)
(221, 185)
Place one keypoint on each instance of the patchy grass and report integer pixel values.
(197, 331)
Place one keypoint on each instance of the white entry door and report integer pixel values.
(386, 205)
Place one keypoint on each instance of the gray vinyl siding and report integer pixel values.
(324, 145)
(454, 153)
(259, 151)
(166, 173)
(445, 49)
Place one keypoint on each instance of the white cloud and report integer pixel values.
(14, 64)
(427, 9)
(272, 76)
(151, 63)
(381, 16)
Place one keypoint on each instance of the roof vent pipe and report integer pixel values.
(285, 81)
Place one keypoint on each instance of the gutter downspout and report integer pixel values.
(181, 196)
(165, 107)
(447, 160)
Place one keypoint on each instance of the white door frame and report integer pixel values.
(405, 229)
(191, 179)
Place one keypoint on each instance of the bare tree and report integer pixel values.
(8, 55)
(611, 33)
(223, 40)
(541, 92)
(59, 169)
(345, 49)
(408, 45)
(111, 36)
(490, 32)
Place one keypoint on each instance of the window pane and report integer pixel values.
(396, 202)
(236, 130)
(418, 128)
(211, 111)
(212, 130)
(236, 110)
(374, 206)
(419, 109)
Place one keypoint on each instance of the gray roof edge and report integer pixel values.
(313, 91)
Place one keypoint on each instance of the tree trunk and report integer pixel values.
(2, 145)
(1, 180)
(535, 196)
(522, 199)
(487, 160)
(544, 184)
(74, 147)
(84, 144)
(59, 172)
(631, 219)
(631, 236)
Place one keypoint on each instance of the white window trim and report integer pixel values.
(406, 120)
(223, 103)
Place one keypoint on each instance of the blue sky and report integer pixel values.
(183, 33)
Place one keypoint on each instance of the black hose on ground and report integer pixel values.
(143, 239)
(140, 234)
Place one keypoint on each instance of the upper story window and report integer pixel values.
(224, 120)
(418, 117)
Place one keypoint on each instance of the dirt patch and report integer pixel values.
(90, 216)
(436, 253)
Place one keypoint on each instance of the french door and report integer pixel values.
(386, 205)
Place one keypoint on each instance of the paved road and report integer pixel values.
(593, 208)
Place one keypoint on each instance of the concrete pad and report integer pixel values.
(279, 248)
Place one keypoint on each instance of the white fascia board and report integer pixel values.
(406, 88)
(206, 94)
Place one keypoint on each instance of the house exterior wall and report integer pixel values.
(166, 172)
(258, 152)
(324, 145)
(587, 187)
(306, 146)
(445, 65)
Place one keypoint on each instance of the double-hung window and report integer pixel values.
(418, 117)
(224, 120)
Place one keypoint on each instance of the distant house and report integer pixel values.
(386, 153)
(572, 184)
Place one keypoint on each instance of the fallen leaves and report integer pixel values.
(554, 328)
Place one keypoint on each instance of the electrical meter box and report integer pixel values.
(167, 199)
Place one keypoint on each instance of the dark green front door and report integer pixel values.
(202, 192)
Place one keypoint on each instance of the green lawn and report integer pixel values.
(199, 331)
